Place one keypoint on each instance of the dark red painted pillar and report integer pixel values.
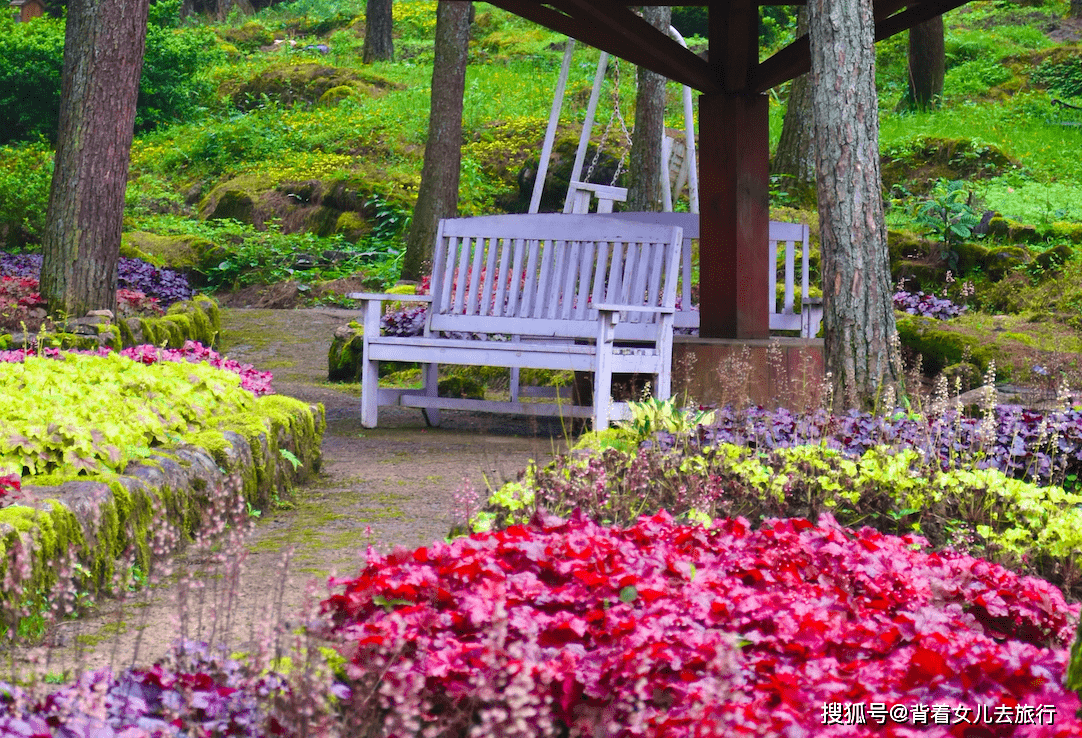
(734, 150)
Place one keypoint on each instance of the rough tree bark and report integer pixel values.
(927, 64)
(858, 312)
(644, 162)
(794, 158)
(103, 58)
(378, 24)
(437, 196)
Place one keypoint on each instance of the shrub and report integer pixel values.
(568, 628)
(171, 89)
(26, 174)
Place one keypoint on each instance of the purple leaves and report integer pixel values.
(166, 285)
(926, 306)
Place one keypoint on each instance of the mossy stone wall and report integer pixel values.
(107, 518)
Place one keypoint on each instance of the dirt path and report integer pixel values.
(392, 486)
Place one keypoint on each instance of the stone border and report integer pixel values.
(108, 516)
(198, 319)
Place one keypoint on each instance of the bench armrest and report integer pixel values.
(615, 308)
(388, 297)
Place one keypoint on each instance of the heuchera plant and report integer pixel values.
(251, 379)
(165, 285)
(673, 630)
(207, 697)
(926, 306)
(1021, 443)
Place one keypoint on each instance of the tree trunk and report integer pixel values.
(1075, 11)
(103, 58)
(794, 159)
(437, 196)
(927, 64)
(644, 171)
(859, 316)
(378, 23)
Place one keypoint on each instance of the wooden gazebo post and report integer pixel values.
(734, 174)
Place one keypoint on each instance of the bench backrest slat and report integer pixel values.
(540, 274)
(787, 236)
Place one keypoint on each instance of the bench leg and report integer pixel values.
(369, 393)
(431, 374)
(603, 371)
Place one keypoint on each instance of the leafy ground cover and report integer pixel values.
(662, 629)
(98, 410)
(160, 283)
(1004, 487)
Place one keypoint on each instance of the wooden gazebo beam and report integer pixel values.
(613, 27)
(795, 59)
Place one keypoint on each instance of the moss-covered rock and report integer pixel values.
(1051, 261)
(352, 226)
(247, 37)
(306, 83)
(106, 518)
(461, 386)
(185, 253)
(1003, 260)
(926, 160)
(939, 346)
(335, 95)
(346, 351)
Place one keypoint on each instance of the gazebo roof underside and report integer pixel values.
(733, 65)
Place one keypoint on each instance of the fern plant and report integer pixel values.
(950, 216)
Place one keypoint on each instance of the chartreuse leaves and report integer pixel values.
(1034, 528)
(90, 412)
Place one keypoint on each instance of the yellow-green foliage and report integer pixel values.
(416, 18)
(897, 491)
(93, 413)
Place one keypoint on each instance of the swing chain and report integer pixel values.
(617, 115)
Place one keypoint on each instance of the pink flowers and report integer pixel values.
(256, 382)
(661, 629)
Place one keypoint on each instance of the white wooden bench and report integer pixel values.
(544, 291)
(784, 237)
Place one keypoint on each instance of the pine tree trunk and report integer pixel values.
(644, 166)
(437, 196)
(794, 159)
(927, 64)
(378, 24)
(859, 316)
(103, 58)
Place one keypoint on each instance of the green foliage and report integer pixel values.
(1061, 76)
(31, 61)
(973, 78)
(245, 256)
(1036, 529)
(88, 413)
(25, 176)
(173, 87)
(948, 214)
(652, 415)
(31, 58)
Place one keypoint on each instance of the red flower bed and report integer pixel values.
(661, 629)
